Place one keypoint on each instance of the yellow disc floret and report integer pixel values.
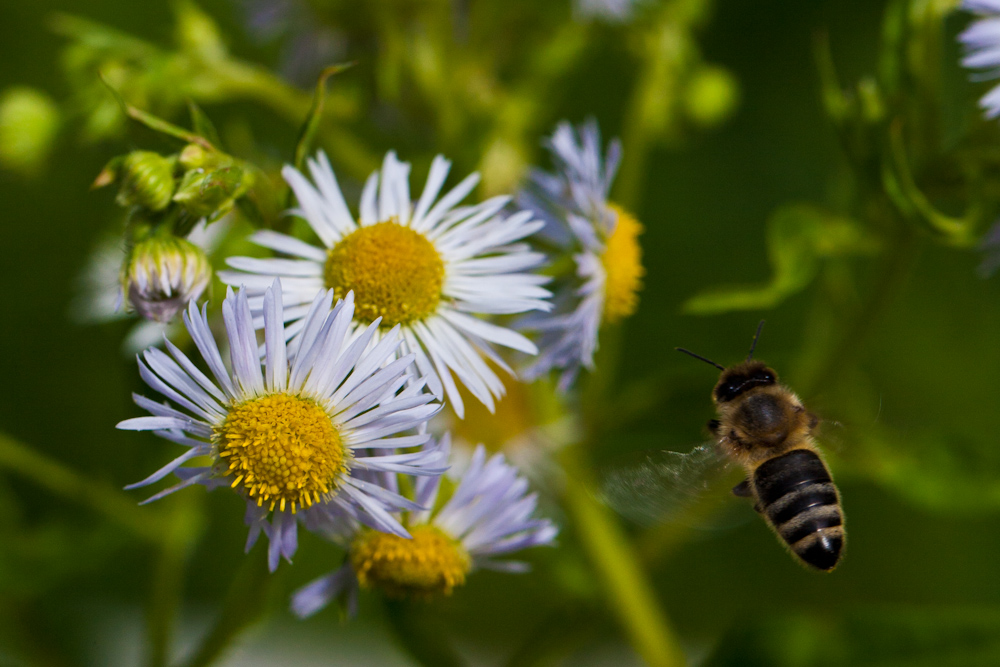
(432, 562)
(281, 449)
(395, 272)
(623, 268)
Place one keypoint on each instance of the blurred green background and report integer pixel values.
(914, 393)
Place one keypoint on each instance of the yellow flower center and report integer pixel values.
(430, 563)
(282, 450)
(622, 268)
(395, 272)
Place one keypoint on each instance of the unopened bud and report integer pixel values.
(162, 274)
(193, 156)
(29, 120)
(209, 194)
(147, 180)
(710, 96)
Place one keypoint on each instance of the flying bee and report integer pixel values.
(762, 426)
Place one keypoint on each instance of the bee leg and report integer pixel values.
(713, 426)
(742, 490)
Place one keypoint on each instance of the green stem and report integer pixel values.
(629, 590)
(903, 249)
(183, 529)
(245, 601)
(419, 635)
(60, 480)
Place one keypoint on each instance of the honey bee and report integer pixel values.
(762, 426)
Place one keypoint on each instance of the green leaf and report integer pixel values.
(155, 123)
(203, 125)
(308, 133)
(882, 636)
(798, 237)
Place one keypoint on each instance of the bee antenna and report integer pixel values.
(753, 345)
(698, 356)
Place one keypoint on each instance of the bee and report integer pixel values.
(763, 426)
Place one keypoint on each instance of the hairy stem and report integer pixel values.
(626, 585)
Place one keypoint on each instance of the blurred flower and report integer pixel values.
(307, 44)
(982, 48)
(615, 11)
(29, 121)
(604, 238)
(297, 434)
(429, 268)
(530, 424)
(162, 274)
(489, 514)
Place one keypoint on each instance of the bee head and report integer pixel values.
(742, 378)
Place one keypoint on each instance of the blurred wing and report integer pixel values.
(690, 488)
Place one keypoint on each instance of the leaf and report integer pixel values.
(798, 237)
(900, 185)
(155, 123)
(310, 127)
(203, 125)
(873, 636)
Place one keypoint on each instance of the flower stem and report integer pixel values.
(184, 526)
(17, 457)
(245, 602)
(617, 566)
(419, 635)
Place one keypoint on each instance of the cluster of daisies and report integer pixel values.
(340, 354)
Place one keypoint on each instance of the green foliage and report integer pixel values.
(29, 121)
(799, 238)
(869, 175)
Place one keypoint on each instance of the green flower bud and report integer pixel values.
(162, 274)
(29, 120)
(147, 180)
(210, 194)
(711, 95)
(194, 156)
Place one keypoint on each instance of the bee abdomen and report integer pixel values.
(799, 499)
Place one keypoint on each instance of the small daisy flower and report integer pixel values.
(431, 268)
(489, 514)
(604, 238)
(302, 432)
(982, 48)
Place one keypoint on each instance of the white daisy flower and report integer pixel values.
(982, 48)
(299, 433)
(430, 268)
(581, 219)
(489, 514)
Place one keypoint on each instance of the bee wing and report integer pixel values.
(690, 488)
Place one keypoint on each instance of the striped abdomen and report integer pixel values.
(797, 496)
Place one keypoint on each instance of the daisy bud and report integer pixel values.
(162, 274)
(205, 193)
(147, 180)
